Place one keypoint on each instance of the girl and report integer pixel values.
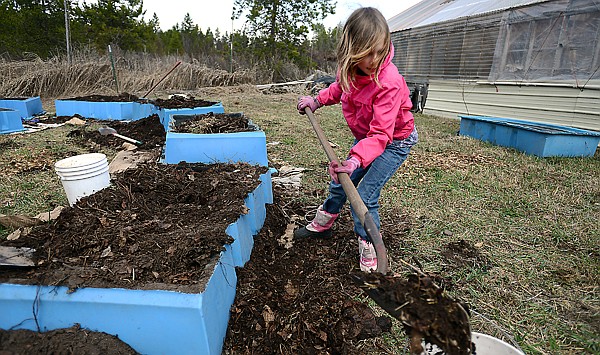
(375, 102)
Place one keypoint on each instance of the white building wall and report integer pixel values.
(547, 103)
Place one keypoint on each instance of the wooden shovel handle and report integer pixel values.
(357, 203)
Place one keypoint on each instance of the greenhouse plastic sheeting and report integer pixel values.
(554, 40)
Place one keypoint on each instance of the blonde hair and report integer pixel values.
(364, 30)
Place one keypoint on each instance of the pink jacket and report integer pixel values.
(376, 115)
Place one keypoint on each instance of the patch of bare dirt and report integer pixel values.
(301, 299)
(73, 340)
(463, 254)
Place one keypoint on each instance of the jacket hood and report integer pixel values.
(388, 59)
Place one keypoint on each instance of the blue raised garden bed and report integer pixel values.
(121, 111)
(540, 139)
(248, 147)
(27, 107)
(248, 225)
(166, 114)
(150, 321)
(10, 121)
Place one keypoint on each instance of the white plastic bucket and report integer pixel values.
(82, 175)
(484, 345)
(488, 345)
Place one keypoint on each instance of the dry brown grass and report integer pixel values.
(90, 73)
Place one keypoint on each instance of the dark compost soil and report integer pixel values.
(73, 340)
(123, 97)
(155, 226)
(149, 130)
(158, 227)
(178, 101)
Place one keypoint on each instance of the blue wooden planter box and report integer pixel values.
(120, 111)
(248, 147)
(248, 225)
(10, 121)
(26, 107)
(166, 114)
(539, 139)
(150, 321)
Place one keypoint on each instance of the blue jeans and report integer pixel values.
(370, 181)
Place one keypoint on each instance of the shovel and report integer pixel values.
(105, 131)
(357, 203)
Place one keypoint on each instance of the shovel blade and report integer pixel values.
(105, 131)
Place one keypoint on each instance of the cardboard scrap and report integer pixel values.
(16, 257)
(126, 159)
(289, 176)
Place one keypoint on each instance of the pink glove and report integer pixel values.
(347, 167)
(306, 101)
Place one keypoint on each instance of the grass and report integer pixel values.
(535, 221)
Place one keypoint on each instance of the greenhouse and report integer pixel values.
(535, 60)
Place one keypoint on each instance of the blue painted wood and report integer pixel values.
(534, 138)
(10, 121)
(27, 107)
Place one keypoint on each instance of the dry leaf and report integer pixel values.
(106, 252)
(14, 235)
(268, 315)
(290, 289)
(50, 216)
(104, 221)
(287, 239)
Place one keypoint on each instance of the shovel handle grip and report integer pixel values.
(355, 200)
(127, 138)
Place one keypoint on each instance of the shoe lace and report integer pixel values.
(367, 251)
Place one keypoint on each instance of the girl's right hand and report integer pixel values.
(306, 101)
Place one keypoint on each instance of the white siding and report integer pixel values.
(565, 106)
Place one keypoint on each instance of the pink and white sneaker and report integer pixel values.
(368, 257)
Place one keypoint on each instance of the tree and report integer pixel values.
(116, 22)
(190, 36)
(280, 27)
(323, 46)
(35, 26)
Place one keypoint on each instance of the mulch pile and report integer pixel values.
(211, 123)
(181, 101)
(123, 97)
(156, 224)
(148, 130)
